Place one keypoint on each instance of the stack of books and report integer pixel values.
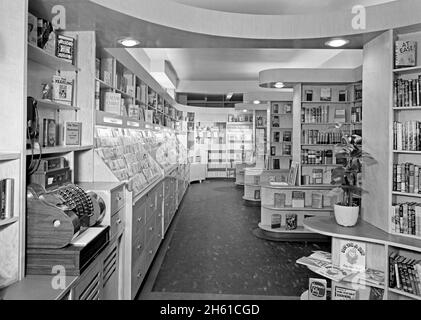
(406, 136)
(404, 274)
(406, 218)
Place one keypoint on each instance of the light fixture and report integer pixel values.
(245, 110)
(279, 85)
(337, 43)
(256, 102)
(129, 42)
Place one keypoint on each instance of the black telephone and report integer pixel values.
(32, 133)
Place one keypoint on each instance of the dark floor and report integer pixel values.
(213, 249)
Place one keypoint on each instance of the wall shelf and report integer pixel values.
(307, 209)
(326, 102)
(404, 293)
(407, 70)
(40, 56)
(55, 105)
(8, 156)
(406, 108)
(57, 150)
(283, 229)
(409, 195)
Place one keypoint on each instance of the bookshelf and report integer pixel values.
(281, 133)
(320, 132)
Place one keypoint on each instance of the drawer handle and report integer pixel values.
(139, 274)
(151, 229)
(139, 247)
(151, 205)
(118, 221)
(139, 219)
(119, 198)
(151, 252)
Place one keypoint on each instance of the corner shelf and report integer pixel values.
(40, 56)
(62, 149)
(55, 105)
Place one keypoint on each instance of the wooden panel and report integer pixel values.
(377, 128)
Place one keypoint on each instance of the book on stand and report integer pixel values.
(405, 54)
(62, 91)
(65, 48)
(6, 198)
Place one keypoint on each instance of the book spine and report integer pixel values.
(392, 272)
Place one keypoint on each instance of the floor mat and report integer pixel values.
(213, 249)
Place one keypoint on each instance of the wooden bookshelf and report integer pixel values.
(42, 57)
(59, 149)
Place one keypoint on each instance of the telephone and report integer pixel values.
(32, 133)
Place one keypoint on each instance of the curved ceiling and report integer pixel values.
(278, 7)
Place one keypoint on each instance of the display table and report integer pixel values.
(277, 208)
(240, 173)
(252, 191)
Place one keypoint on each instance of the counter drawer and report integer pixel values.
(117, 199)
(138, 274)
(117, 224)
(151, 205)
(138, 245)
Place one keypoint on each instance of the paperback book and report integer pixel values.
(352, 255)
(405, 54)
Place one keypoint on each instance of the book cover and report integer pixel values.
(322, 255)
(309, 95)
(317, 289)
(291, 222)
(44, 28)
(287, 136)
(317, 200)
(49, 133)
(65, 48)
(405, 54)
(326, 94)
(342, 292)
(333, 272)
(298, 199)
(340, 115)
(62, 90)
(276, 221)
(257, 194)
(275, 122)
(112, 102)
(352, 255)
(343, 95)
(279, 200)
(72, 133)
(276, 108)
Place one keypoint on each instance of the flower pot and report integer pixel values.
(346, 216)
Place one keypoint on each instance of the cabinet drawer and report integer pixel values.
(139, 216)
(150, 230)
(158, 224)
(151, 205)
(117, 224)
(117, 199)
(138, 245)
(150, 252)
(138, 274)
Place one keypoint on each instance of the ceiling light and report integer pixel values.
(337, 43)
(229, 96)
(245, 110)
(129, 42)
(256, 102)
(279, 85)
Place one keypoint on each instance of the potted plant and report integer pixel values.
(348, 179)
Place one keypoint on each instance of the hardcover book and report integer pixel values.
(298, 199)
(276, 221)
(317, 200)
(309, 95)
(49, 133)
(343, 292)
(326, 94)
(343, 95)
(340, 115)
(257, 194)
(352, 255)
(62, 90)
(405, 54)
(317, 289)
(279, 200)
(291, 222)
(6, 198)
(112, 102)
(72, 133)
(65, 48)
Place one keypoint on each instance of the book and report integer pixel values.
(51, 44)
(352, 255)
(44, 28)
(309, 95)
(6, 198)
(343, 292)
(333, 272)
(257, 194)
(405, 54)
(49, 133)
(317, 289)
(62, 91)
(318, 176)
(112, 102)
(279, 200)
(273, 151)
(275, 122)
(276, 221)
(106, 70)
(275, 108)
(340, 115)
(298, 199)
(322, 255)
(326, 94)
(313, 263)
(291, 222)
(287, 136)
(317, 200)
(277, 137)
(72, 133)
(293, 171)
(32, 29)
(65, 48)
(343, 95)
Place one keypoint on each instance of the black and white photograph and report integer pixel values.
(210, 158)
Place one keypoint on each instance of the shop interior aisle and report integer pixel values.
(211, 252)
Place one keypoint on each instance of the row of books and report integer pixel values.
(248, 118)
(406, 136)
(41, 33)
(291, 221)
(326, 95)
(315, 115)
(407, 93)
(52, 134)
(286, 136)
(357, 114)
(406, 178)
(298, 200)
(321, 137)
(317, 177)
(404, 274)
(309, 156)
(406, 218)
(6, 198)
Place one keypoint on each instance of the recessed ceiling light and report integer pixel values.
(256, 102)
(337, 43)
(279, 85)
(129, 42)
